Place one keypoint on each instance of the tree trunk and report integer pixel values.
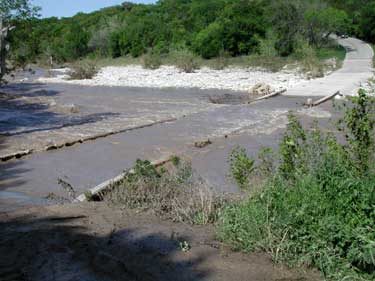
(2, 48)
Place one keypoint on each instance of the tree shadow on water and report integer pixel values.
(10, 172)
(27, 109)
(21, 116)
(60, 248)
(30, 90)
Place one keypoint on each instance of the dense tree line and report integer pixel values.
(11, 11)
(208, 28)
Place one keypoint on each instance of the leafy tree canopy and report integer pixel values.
(208, 28)
(17, 9)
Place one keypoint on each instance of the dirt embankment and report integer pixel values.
(96, 242)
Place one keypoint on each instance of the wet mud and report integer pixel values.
(96, 242)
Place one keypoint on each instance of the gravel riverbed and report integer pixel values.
(235, 79)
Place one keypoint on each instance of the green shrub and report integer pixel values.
(75, 42)
(266, 166)
(83, 70)
(172, 192)
(241, 167)
(366, 21)
(243, 23)
(114, 45)
(208, 43)
(20, 61)
(161, 47)
(222, 61)
(309, 224)
(317, 210)
(292, 148)
(185, 60)
(310, 63)
(358, 125)
(137, 49)
(151, 60)
(267, 46)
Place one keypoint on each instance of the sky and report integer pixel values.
(67, 8)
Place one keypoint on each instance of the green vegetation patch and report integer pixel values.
(171, 191)
(318, 207)
(326, 53)
(83, 70)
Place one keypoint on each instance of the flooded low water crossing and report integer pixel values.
(35, 116)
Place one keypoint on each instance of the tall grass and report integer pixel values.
(185, 60)
(173, 192)
(151, 60)
(83, 70)
(318, 209)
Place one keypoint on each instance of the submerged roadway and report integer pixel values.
(28, 180)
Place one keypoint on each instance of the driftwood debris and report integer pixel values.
(274, 94)
(327, 98)
(259, 90)
(309, 102)
(101, 187)
(202, 144)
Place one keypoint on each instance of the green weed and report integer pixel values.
(173, 192)
(83, 70)
(185, 60)
(241, 167)
(318, 208)
(151, 60)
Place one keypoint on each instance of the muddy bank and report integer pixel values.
(95, 242)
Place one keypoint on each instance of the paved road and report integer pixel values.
(25, 181)
(356, 70)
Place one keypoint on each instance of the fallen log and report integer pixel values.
(101, 187)
(54, 146)
(325, 99)
(274, 94)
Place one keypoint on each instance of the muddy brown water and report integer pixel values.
(34, 118)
